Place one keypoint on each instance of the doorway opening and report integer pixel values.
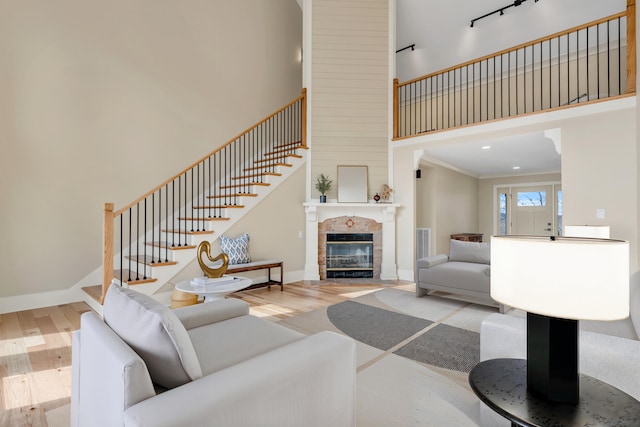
(533, 209)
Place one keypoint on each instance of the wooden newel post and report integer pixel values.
(107, 253)
(631, 46)
(303, 113)
(395, 108)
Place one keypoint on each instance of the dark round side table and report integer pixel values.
(502, 385)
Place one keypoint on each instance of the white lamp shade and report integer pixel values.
(570, 278)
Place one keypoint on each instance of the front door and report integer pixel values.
(532, 210)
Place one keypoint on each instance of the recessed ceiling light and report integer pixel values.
(515, 168)
(486, 147)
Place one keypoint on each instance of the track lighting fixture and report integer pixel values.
(411, 46)
(500, 10)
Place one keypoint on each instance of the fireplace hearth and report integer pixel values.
(349, 255)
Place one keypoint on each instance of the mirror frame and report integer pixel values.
(353, 184)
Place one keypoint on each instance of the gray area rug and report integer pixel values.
(446, 347)
(374, 326)
(443, 345)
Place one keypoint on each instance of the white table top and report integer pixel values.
(215, 290)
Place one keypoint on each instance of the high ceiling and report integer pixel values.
(443, 38)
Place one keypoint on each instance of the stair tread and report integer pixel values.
(221, 196)
(269, 165)
(94, 292)
(296, 144)
(166, 245)
(149, 260)
(221, 206)
(231, 186)
(126, 274)
(272, 158)
(254, 175)
(203, 219)
(189, 232)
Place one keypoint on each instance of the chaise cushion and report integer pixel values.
(470, 252)
(155, 333)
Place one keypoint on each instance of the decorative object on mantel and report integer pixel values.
(376, 198)
(211, 272)
(323, 184)
(386, 192)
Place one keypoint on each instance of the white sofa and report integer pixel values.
(207, 364)
(609, 351)
(465, 271)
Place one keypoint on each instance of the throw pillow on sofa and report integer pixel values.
(154, 332)
(236, 249)
(470, 252)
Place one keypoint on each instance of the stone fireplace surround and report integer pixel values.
(376, 218)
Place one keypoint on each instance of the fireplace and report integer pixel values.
(377, 219)
(349, 255)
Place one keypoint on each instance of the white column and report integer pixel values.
(388, 269)
(311, 267)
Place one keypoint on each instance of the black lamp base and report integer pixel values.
(552, 358)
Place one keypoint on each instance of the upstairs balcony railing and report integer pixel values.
(145, 232)
(584, 64)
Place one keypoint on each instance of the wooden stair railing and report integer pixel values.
(144, 233)
(579, 65)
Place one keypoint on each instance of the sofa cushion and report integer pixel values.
(470, 252)
(457, 275)
(155, 333)
(224, 344)
(236, 249)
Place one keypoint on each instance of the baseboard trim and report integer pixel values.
(39, 300)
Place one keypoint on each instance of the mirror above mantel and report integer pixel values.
(353, 184)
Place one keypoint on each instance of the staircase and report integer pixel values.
(152, 239)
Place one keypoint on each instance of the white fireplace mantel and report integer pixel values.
(384, 213)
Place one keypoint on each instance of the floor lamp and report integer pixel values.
(559, 281)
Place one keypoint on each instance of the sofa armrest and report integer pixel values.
(310, 382)
(430, 261)
(194, 316)
(108, 376)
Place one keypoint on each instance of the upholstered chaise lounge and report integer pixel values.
(466, 270)
(207, 364)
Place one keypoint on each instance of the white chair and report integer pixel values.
(208, 364)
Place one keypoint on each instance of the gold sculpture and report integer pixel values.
(205, 247)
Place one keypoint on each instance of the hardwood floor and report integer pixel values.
(35, 345)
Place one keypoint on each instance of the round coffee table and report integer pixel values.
(215, 291)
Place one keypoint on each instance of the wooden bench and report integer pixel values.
(259, 265)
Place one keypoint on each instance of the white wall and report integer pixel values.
(101, 101)
(599, 168)
(448, 23)
(446, 202)
(349, 90)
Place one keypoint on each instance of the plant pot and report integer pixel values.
(323, 198)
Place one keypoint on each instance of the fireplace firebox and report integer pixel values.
(349, 255)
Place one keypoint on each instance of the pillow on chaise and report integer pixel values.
(470, 252)
(155, 333)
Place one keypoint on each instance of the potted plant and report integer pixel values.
(323, 184)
